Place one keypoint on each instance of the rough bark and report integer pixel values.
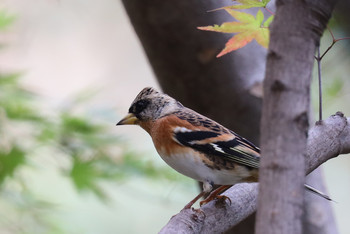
(216, 218)
(295, 33)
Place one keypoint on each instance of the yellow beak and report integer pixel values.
(128, 119)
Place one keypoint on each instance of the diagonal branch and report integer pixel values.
(216, 218)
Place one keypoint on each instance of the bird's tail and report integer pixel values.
(317, 192)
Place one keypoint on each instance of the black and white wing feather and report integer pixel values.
(228, 146)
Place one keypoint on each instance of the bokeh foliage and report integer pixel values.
(85, 149)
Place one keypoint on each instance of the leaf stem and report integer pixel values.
(269, 11)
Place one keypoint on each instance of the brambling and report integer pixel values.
(195, 145)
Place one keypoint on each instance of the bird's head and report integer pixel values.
(150, 104)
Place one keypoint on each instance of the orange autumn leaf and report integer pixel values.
(247, 28)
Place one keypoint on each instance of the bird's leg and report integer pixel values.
(207, 187)
(190, 204)
(215, 194)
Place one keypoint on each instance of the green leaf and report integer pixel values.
(5, 19)
(259, 17)
(48, 133)
(18, 110)
(10, 161)
(79, 125)
(268, 21)
(227, 27)
(85, 176)
(243, 17)
(248, 28)
(245, 4)
(265, 2)
(262, 36)
(9, 79)
(334, 88)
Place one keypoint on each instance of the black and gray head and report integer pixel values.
(151, 104)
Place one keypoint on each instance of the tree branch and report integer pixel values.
(216, 218)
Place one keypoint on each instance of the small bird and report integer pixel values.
(195, 145)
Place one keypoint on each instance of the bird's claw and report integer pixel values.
(217, 197)
(223, 198)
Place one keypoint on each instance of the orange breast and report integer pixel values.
(162, 135)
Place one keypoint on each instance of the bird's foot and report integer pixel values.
(190, 204)
(223, 198)
(215, 195)
(218, 198)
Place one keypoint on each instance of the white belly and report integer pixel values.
(196, 169)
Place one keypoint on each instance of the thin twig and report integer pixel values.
(318, 59)
(331, 32)
(343, 38)
(319, 84)
(328, 49)
(334, 40)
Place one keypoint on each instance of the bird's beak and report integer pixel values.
(128, 119)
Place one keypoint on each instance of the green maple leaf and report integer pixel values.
(247, 28)
(5, 19)
(245, 4)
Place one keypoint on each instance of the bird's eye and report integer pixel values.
(139, 106)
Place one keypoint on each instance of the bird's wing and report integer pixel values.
(228, 145)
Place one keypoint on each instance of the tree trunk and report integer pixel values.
(295, 33)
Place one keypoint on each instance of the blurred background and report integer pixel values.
(69, 71)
